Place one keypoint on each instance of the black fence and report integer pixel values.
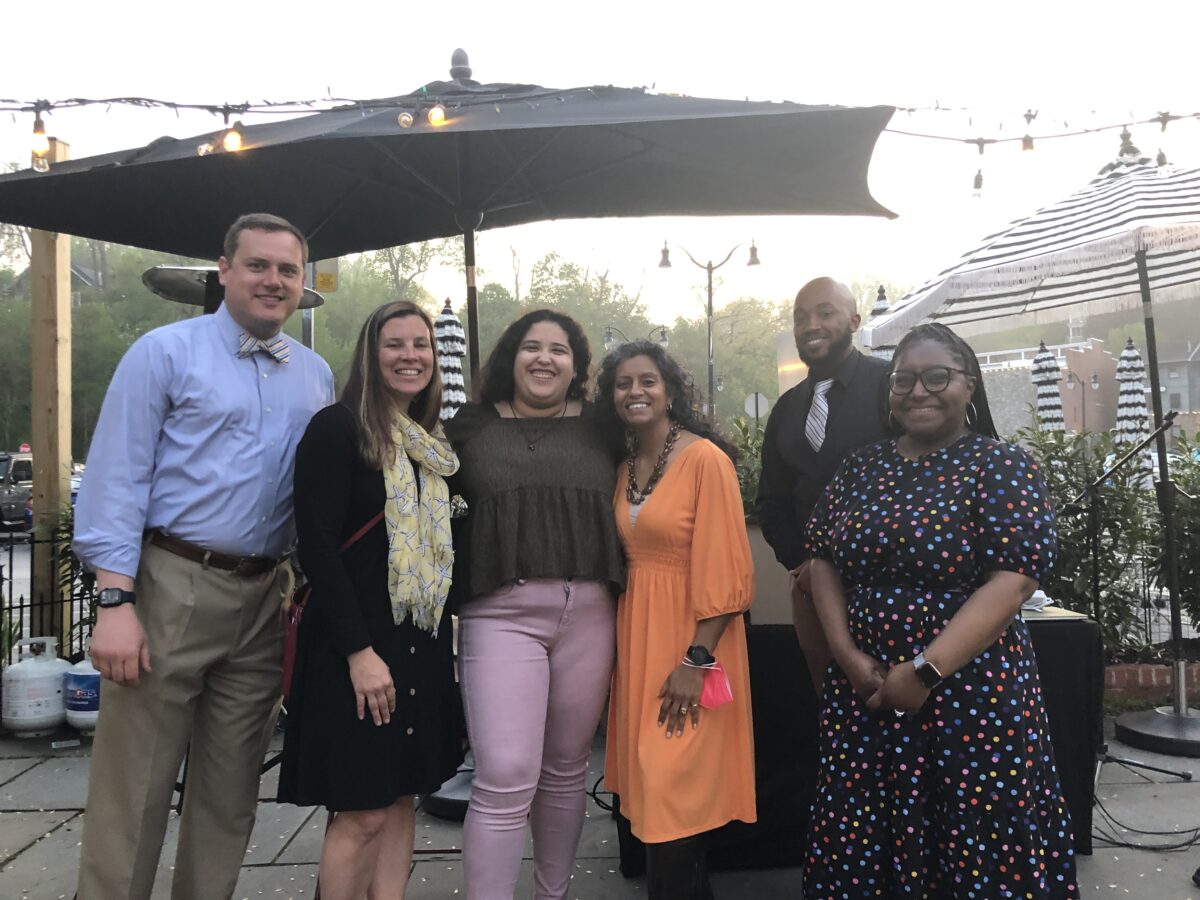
(31, 607)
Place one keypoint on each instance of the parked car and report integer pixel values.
(28, 515)
(16, 484)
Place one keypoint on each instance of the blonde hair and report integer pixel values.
(367, 397)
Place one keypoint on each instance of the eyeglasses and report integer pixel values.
(935, 379)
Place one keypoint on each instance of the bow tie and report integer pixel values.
(276, 347)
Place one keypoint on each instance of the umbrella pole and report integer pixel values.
(472, 306)
(1173, 730)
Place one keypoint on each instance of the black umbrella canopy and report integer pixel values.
(355, 178)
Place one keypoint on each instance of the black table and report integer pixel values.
(1071, 667)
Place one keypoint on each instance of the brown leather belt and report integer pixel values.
(241, 566)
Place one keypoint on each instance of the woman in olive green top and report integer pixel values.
(536, 627)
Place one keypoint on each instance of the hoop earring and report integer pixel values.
(893, 425)
(972, 414)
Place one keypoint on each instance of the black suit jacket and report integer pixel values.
(794, 475)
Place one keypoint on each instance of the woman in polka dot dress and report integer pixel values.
(937, 776)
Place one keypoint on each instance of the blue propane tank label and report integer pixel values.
(82, 692)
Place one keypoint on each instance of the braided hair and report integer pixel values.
(979, 415)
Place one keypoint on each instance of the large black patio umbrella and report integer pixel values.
(1129, 237)
(381, 172)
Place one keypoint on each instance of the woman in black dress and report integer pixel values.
(374, 715)
(937, 777)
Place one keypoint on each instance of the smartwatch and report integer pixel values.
(926, 671)
(106, 598)
(698, 655)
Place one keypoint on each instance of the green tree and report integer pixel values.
(15, 375)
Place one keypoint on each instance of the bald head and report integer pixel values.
(826, 289)
(824, 319)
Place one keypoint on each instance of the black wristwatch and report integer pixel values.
(926, 671)
(698, 655)
(106, 598)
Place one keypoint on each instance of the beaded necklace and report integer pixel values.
(632, 494)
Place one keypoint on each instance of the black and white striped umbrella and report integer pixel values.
(878, 311)
(451, 348)
(1132, 415)
(1084, 249)
(1046, 375)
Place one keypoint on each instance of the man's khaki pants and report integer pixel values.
(216, 649)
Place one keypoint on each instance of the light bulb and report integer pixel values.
(204, 149)
(232, 139)
(40, 144)
(405, 119)
(436, 115)
(40, 164)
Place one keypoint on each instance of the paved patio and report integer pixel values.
(42, 793)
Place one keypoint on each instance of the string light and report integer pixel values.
(39, 145)
(231, 140)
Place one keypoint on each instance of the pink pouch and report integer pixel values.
(716, 691)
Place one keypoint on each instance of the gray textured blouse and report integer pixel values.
(544, 512)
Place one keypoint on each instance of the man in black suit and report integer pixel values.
(838, 408)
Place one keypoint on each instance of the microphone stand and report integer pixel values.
(1090, 500)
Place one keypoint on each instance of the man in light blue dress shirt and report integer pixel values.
(185, 515)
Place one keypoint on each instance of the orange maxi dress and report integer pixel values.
(689, 559)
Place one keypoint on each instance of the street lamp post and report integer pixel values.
(658, 334)
(1072, 380)
(709, 268)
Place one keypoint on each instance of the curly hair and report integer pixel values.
(681, 394)
(965, 356)
(497, 380)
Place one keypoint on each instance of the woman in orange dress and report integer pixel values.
(680, 769)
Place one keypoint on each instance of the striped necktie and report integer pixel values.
(818, 414)
(276, 347)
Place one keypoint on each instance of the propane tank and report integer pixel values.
(81, 694)
(33, 689)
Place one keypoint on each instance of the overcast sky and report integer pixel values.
(1080, 64)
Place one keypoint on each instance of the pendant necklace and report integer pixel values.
(531, 444)
(632, 494)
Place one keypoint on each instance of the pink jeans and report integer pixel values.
(535, 662)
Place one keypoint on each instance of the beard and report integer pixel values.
(838, 345)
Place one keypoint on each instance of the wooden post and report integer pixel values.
(50, 346)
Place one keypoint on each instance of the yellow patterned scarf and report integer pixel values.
(420, 553)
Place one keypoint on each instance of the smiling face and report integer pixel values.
(263, 281)
(543, 368)
(928, 418)
(639, 393)
(824, 319)
(406, 359)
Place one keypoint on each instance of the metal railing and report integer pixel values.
(29, 609)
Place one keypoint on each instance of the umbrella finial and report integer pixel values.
(881, 302)
(460, 66)
(1127, 147)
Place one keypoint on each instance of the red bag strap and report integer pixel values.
(300, 598)
(353, 539)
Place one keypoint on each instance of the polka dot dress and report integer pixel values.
(960, 800)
